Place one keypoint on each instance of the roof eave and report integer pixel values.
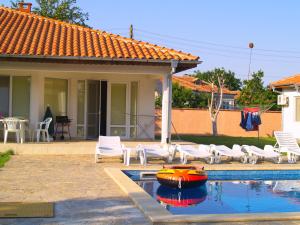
(284, 86)
(79, 58)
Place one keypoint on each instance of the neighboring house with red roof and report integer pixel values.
(199, 86)
(98, 79)
(289, 98)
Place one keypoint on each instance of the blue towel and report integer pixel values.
(243, 120)
(249, 122)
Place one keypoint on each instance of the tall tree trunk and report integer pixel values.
(214, 127)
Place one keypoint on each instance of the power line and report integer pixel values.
(217, 50)
(189, 40)
(217, 44)
(233, 53)
(216, 47)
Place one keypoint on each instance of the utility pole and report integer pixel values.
(251, 46)
(131, 31)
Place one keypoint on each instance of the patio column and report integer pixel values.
(167, 105)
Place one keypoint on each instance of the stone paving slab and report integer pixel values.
(83, 193)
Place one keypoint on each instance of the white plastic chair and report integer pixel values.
(287, 143)
(256, 153)
(234, 153)
(194, 151)
(144, 152)
(111, 146)
(11, 125)
(44, 131)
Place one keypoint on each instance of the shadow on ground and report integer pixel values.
(106, 211)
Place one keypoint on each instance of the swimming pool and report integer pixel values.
(230, 192)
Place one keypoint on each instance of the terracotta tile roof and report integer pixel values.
(189, 82)
(27, 34)
(288, 81)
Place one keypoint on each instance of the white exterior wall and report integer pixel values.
(146, 77)
(289, 123)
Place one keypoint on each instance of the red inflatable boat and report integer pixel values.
(182, 176)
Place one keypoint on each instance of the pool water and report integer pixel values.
(230, 192)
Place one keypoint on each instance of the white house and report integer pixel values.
(289, 98)
(104, 82)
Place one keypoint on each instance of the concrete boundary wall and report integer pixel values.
(197, 122)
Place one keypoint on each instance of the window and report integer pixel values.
(4, 95)
(56, 96)
(297, 109)
(15, 96)
(21, 96)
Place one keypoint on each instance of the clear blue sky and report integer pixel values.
(217, 31)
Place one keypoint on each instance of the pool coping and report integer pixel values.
(158, 214)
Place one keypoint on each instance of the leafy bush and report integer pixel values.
(5, 156)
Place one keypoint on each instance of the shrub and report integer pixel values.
(5, 156)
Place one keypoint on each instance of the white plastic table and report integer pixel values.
(23, 123)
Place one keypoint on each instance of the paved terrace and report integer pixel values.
(82, 192)
(73, 147)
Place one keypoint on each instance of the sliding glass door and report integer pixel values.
(133, 109)
(91, 108)
(118, 109)
(104, 109)
(81, 108)
(123, 109)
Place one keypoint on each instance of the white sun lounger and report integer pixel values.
(146, 151)
(255, 153)
(111, 146)
(222, 150)
(194, 151)
(287, 143)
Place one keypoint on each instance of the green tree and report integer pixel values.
(64, 10)
(181, 97)
(15, 4)
(199, 100)
(254, 93)
(231, 82)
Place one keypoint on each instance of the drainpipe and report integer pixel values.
(167, 104)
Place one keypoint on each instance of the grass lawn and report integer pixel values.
(5, 156)
(229, 141)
